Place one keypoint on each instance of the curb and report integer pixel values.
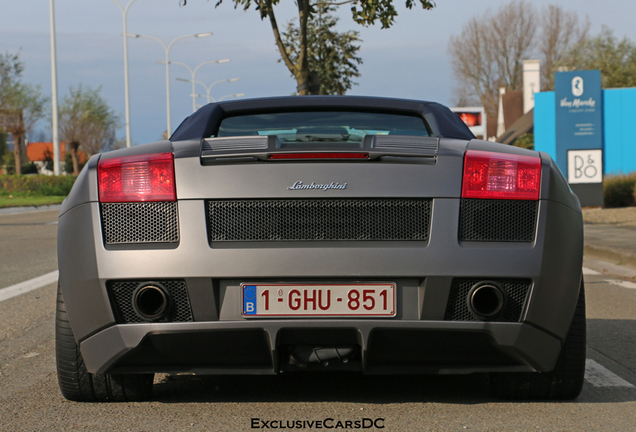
(614, 255)
(12, 210)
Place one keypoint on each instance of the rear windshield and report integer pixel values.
(322, 126)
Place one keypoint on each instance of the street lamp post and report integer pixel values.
(208, 88)
(193, 74)
(166, 48)
(54, 114)
(124, 12)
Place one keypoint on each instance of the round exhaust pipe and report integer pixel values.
(151, 301)
(486, 299)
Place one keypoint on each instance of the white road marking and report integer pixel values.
(617, 282)
(599, 376)
(30, 285)
(587, 271)
(622, 283)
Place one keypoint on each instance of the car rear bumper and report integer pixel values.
(263, 347)
(421, 338)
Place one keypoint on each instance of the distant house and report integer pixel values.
(523, 125)
(41, 154)
(10, 143)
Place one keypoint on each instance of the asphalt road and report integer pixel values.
(30, 400)
(28, 245)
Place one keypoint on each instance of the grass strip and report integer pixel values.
(23, 201)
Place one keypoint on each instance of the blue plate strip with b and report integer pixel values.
(249, 299)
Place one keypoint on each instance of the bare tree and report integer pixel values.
(27, 104)
(463, 97)
(23, 103)
(10, 69)
(562, 32)
(513, 33)
(86, 120)
(490, 50)
(473, 61)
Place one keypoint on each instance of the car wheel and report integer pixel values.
(77, 384)
(564, 382)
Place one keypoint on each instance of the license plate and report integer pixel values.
(325, 300)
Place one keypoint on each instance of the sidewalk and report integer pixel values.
(610, 234)
(609, 242)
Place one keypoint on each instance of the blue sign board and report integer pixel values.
(579, 122)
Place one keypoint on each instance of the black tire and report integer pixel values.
(79, 385)
(564, 382)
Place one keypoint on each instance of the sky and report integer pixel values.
(409, 60)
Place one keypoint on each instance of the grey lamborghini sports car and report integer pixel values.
(299, 234)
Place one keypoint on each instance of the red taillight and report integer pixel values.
(501, 176)
(148, 177)
(318, 155)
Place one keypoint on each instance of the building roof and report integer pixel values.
(42, 151)
(523, 125)
(513, 107)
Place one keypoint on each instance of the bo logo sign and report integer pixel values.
(585, 166)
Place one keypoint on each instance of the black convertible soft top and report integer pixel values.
(204, 123)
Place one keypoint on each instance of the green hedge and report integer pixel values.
(29, 185)
(618, 190)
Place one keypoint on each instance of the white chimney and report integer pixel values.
(531, 82)
(501, 125)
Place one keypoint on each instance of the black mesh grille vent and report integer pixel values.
(517, 290)
(147, 222)
(319, 219)
(121, 294)
(497, 220)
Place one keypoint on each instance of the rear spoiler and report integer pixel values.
(396, 148)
